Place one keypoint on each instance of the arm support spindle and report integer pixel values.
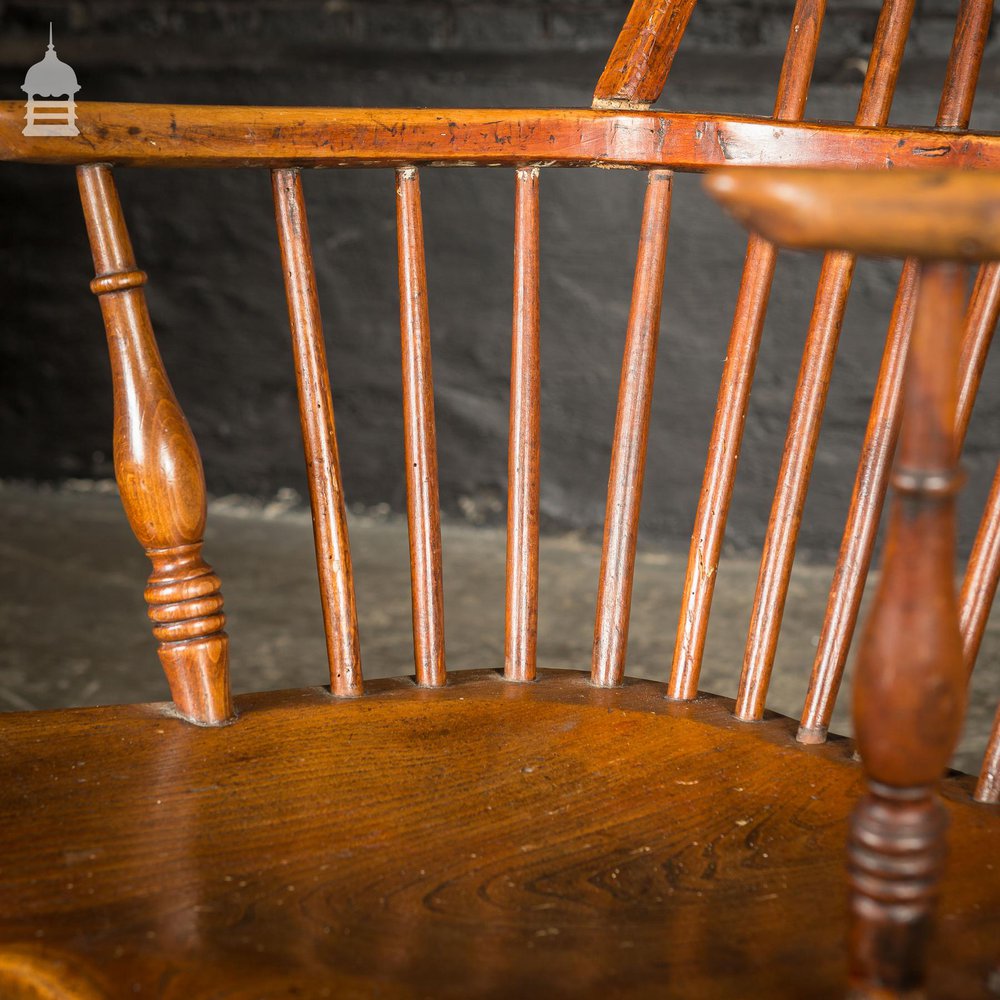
(910, 683)
(158, 469)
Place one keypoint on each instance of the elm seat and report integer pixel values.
(516, 832)
(480, 839)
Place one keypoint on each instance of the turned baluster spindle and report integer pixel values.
(524, 440)
(628, 454)
(420, 440)
(910, 682)
(319, 436)
(158, 469)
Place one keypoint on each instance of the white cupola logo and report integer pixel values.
(51, 78)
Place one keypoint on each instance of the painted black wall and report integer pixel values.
(207, 240)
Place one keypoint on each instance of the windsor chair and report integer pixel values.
(477, 833)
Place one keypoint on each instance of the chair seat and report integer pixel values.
(482, 839)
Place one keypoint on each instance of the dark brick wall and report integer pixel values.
(207, 240)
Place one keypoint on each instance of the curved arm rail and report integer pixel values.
(189, 135)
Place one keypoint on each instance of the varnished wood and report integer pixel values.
(628, 452)
(643, 54)
(158, 469)
(453, 842)
(979, 586)
(319, 435)
(959, 215)
(422, 506)
(980, 326)
(867, 499)
(809, 401)
(910, 681)
(457, 839)
(982, 573)
(972, 27)
(164, 135)
(524, 440)
(737, 377)
(988, 785)
(872, 478)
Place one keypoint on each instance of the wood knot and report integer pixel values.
(120, 281)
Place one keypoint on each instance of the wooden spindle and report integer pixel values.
(871, 481)
(811, 391)
(643, 53)
(520, 642)
(980, 326)
(909, 690)
(158, 469)
(319, 436)
(628, 453)
(867, 499)
(422, 509)
(979, 587)
(988, 785)
(972, 29)
(737, 377)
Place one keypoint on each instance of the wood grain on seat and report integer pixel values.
(482, 839)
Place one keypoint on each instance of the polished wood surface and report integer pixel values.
(158, 469)
(737, 378)
(643, 54)
(578, 836)
(524, 440)
(910, 679)
(189, 135)
(481, 839)
(811, 389)
(867, 499)
(420, 440)
(631, 434)
(319, 436)
(872, 477)
(870, 212)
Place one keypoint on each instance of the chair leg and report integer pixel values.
(158, 469)
(909, 695)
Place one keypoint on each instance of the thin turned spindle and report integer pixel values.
(420, 444)
(520, 642)
(158, 469)
(909, 690)
(979, 586)
(983, 571)
(737, 378)
(810, 393)
(628, 453)
(988, 785)
(980, 326)
(319, 437)
(871, 481)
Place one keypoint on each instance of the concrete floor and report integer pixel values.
(73, 629)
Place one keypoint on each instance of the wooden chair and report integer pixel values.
(480, 834)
